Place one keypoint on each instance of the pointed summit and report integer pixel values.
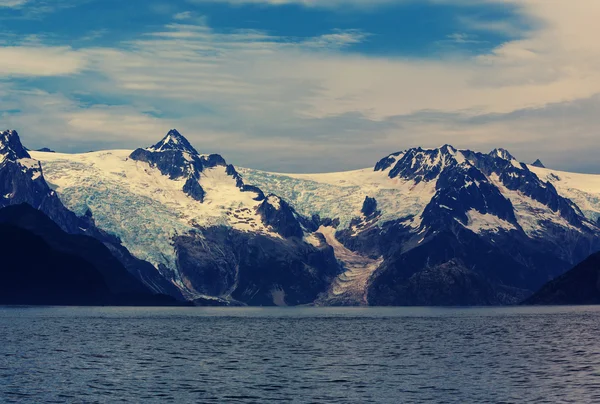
(502, 153)
(448, 149)
(174, 141)
(538, 163)
(11, 147)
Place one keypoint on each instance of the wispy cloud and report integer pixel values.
(12, 3)
(191, 17)
(462, 38)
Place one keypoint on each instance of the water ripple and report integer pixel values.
(109, 355)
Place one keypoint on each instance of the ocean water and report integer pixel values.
(300, 355)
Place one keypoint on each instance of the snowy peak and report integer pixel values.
(423, 164)
(176, 158)
(502, 153)
(13, 152)
(493, 184)
(448, 149)
(174, 141)
(11, 147)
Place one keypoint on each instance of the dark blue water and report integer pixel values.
(352, 355)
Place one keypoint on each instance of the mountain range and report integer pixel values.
(422, 227)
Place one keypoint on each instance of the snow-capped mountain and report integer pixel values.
(22, 181)
(193, 217)
(493, 186)
(423, 226)
(484, 223)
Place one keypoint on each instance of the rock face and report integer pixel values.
(252, 269)
(580, 285)
(369, 207)
(452, 269)
(447, 284)
(61, 268)
(278, 214)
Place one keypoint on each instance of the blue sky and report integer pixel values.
(305, 85)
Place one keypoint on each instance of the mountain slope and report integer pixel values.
(116, 277)
(583, 189)
(580, 285)
(46, 276)
(42, 264)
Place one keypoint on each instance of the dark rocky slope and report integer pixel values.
(41, 264)
(254, 269)
(580, 285)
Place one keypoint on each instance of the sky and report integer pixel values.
(306, 85)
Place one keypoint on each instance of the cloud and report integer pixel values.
(12, 3)
(39, 61)
(191, 17)
(462, 38)
(315, 104)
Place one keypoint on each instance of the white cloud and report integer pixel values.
(39, 61)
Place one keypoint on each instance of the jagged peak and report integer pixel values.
(174, 141)
(425, 164)
(502, 153)
(538, 163)
(11, 147)
(448, 149)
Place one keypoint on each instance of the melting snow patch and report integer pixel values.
(481, 223)
(274, 202)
